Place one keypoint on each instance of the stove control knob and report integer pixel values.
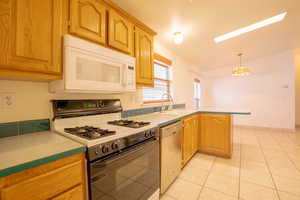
(114, 146)
(105, 149)
(147, 134)
(152, 132)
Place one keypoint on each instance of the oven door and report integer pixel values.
(130, 175)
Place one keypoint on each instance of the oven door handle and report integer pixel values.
(121, 154)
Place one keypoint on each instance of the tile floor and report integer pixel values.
(265, 166)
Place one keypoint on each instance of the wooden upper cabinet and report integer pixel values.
(144, 58)
(216, 135)
(31, 36)
(88, 20)
(120, 33)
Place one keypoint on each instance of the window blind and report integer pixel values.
(161, 85)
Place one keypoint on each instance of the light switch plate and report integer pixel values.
(8, 100)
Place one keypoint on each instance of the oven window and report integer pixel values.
(132, 176)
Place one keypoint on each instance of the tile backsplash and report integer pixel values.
(143, 111)
(23, 127)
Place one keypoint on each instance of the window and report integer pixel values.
(161, 90)
(197, 92)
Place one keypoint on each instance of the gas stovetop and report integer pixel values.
(129, 123)
(89, 132)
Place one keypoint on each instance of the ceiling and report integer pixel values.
(202, 20)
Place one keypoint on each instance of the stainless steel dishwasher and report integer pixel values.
(170, 154)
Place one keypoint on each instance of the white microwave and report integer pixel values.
(91, 68)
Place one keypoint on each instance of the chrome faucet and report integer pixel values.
(169, 107)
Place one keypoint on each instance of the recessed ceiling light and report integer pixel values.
(178, 37)
(252, 27)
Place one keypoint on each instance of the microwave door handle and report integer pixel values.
(125, 78)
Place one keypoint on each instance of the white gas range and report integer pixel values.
(123, 155)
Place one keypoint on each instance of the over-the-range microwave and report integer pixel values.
(91, 68)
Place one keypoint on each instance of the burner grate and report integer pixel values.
(89, 132)
(129, 123)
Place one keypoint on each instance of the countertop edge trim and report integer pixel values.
(34, 163)
(165, 123)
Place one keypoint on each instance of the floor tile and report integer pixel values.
(183, 190)
(209, 194)
(288, 172)
(226, 169)
(253, 166)
(201, 161)
(166, 197)
(288, 196)
(287, 184)
(263, 179)
(194, 175)
(250, 191)
(226, 184)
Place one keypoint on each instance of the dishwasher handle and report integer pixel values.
(170, 130)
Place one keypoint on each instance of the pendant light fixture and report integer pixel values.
(240, 70)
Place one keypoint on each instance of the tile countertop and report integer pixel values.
(168, 117)
(18, 153)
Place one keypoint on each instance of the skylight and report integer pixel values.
(252, 27)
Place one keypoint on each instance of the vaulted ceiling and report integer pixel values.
(202, 20)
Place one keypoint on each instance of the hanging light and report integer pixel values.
(241, 70)
(178, 37)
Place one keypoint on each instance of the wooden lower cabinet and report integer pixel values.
(72, 194)
(190, 137)
(216, 134)
(63, 179)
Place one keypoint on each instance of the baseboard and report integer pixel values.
(267, 128)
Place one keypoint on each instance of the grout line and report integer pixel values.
(287, 155)
(204, 182)
(267, 164)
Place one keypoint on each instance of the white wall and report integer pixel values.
(269, 92)
(33, 98)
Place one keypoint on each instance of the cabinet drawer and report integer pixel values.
(47, 185)
(75, 193)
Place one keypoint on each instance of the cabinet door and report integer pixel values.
(144, 58)
(120, 33)
(194, 139)
(187, 139)
(31, 36)
(216, 134)
(88, 20)
(75, 193)
(46, 185)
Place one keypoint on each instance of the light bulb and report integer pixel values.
(178, 37)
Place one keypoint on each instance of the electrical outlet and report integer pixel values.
(1, 101)
(8, 100)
